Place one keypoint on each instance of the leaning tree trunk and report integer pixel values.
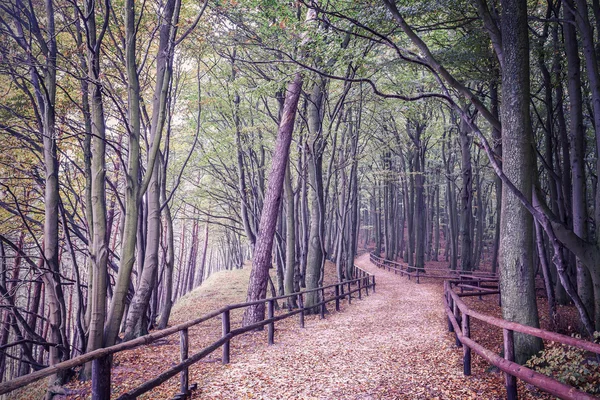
(259, 276)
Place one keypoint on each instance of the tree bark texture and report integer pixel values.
(315, 258)
(257, 287)
(516, 240)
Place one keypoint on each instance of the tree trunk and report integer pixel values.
(517, 283)
(588, 286)
(451, 211)
(315, 258)
(132, 193)
(201, 270)
(497, 137)
(564, 206)
(436, 226)
(135, 325)
(466, 210)
(377, 217)
(354, 211)
(257, 287)
(290, 240)
(577, 157)
(419, 189)
(169, 257)
(99, 255)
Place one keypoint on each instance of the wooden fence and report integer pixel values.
(459, 322)
(430, 272)
(342, 290)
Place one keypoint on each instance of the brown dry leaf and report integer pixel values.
(392, 344)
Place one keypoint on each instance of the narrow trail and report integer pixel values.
(393, 345)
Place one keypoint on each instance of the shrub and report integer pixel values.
(569, 365)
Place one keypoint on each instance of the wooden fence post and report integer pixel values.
(366, 285)
(337, 297)
(349, 294)
(101, 378)
(457, 318)
(450, 300)
(509, 354)
(466, 331)
(226, 322)
(271, 326)
(322, 303)
(373, 283)
(301, 305)
(183, 351)
(418, 276)
(359, 290)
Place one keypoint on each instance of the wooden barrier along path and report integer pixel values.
(459, 321)
(430, 272)
(342, 290)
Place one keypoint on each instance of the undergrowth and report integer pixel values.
(569, 365)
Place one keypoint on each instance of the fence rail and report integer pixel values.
(421, 272)
(342, 290)
(459, 321)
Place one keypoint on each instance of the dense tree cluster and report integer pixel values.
(147, 145)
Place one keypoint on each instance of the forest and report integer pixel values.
(146, 145)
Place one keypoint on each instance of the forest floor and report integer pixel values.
(393, 344)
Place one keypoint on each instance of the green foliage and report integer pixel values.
(569, 365)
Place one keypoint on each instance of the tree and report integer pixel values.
(517, 283)
(257, 287)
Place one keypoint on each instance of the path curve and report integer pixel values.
(392, 345)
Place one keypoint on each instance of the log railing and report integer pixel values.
(342, 290)
(459, 321)
(430, 272)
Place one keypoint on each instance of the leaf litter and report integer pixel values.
(393, 344)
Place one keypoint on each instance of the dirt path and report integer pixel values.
(392, 345)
